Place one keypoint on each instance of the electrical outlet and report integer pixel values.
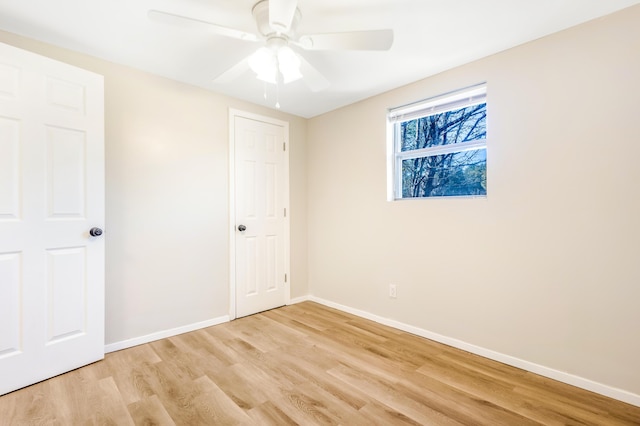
(392, 291)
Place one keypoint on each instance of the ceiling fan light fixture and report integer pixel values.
(265, 64)
(289, 64)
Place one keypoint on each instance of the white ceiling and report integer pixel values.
(430, 36)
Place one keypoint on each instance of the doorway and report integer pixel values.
(259, 213)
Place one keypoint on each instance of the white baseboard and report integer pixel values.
(299, 300)
(560, 376)
(112, 347)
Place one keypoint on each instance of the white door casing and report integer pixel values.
(259, 202)
(51, 194)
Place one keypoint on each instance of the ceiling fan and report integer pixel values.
(275, 61)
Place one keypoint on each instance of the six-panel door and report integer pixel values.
(51, 194)
(259, 194)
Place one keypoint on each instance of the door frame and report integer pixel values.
(233, 113)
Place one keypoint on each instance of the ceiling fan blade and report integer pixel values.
(184, 21)
(353, 40)
(312, 77)
(281, 13)
(233, 73)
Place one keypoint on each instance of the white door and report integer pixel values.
(261, 225)
(51, 195)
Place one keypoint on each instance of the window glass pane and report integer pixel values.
(455, 174)
(446, 128)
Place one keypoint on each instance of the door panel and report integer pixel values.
(51, 194)
(66, 290)
(10, 312)
(9, 168)
(250, 270)
(260, 186)
(272, 259)
(66, 155)
(9, 81)
(66, 95)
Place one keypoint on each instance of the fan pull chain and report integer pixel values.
(278, 93)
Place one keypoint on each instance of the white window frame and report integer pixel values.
(395, 156)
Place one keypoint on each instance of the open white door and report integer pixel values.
(51, 195)
(260, 234)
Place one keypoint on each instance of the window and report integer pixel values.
(438, 147)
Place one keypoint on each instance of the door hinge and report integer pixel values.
(285, 212)
(284, 146)
(285, 278)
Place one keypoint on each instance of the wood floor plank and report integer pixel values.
(109, 407)
(74, 396)
(310, 365)
(305, 409)
(269, 414)
(216, 408)
(246, 384)
(126, 369)
(316, 373)
(378, 413)
(206, 340)
(264, 333)
(311, 318)
(570, 396)
(461, 406)
(183, 362)
(288, 319)
(555, 406)
(31, 405)
(133, 383)
(150, 411)
(469, 381)
(386, 392)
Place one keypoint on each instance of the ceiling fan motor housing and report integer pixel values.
(260, 13)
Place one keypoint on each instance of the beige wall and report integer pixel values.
(547, 267)
(167, 183)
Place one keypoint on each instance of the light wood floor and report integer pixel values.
(304, 364)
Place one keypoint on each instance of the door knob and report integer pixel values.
(242, 228)
(95, 232)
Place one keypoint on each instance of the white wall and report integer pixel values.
(166, 231)
(546, 268)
